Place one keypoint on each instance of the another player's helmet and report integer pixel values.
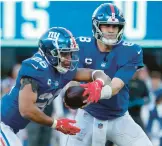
(60, 49)
(105, 14)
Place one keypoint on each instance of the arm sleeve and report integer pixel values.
(27, 70)
(137, 58)
(126, 72)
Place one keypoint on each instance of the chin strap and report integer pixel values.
(61, 69)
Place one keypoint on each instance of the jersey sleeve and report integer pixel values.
(134, 62)
(136, 57)
(33, 70)
(126, 73)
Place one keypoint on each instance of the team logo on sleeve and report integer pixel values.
(49, 82)
(36, 67)
(88, 61)
(139, 52)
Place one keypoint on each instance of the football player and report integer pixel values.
(39, 81)
(108, 119)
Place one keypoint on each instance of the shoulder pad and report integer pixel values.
(129, 53)
(33, 69)
(132, 48)
(83, 39)
(127, 44)
(36, 63)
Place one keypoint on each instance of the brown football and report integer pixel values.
(74, 97)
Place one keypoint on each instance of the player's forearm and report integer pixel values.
(98, 74)
(112, 89)
(83, 74)
(36, 115)
(116, 85)
(87, 75)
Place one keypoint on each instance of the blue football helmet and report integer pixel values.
(60, 49)
(107, 14)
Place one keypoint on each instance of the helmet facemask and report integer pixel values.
(103, 37)
(56, 59)
(66, 64)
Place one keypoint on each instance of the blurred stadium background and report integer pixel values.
(22, 23)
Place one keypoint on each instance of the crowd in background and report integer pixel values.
(145, 107)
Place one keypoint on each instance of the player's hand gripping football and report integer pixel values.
(93, 90)
(64, 125)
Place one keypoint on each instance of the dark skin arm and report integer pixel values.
(85, 74)
(28, 108)
(28, 97)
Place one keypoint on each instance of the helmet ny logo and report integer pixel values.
(53, 35)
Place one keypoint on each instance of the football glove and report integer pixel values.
(93, 90)
(64, 125)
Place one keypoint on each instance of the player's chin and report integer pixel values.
(66, 66)
(109, 36)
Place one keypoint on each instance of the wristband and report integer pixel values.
(101, 81)
(54, 124)
(106, 92)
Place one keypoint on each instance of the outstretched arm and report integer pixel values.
(111, 89)
(29, 110)
(88, 75)
(27, 100)
(92, 89)
(102, 86)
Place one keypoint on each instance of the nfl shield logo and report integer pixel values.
(85, 114)
(100, 125)
(103, 64)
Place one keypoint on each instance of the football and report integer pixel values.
(73, 97)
